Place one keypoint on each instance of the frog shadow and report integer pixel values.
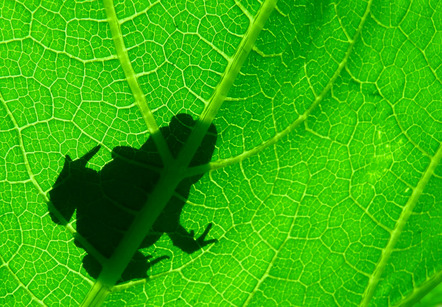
(107, 201)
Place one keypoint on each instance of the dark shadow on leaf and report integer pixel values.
(106, 202)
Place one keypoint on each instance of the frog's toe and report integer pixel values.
(201, 240)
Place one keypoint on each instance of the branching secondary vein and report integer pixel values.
(140, 98)
(400, 224)
(232, 70)
(302, 118)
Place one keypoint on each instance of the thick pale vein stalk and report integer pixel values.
(175, 170)
(400, 224)
(227, 79)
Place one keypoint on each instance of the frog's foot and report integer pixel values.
(200, 241)
(186, 240)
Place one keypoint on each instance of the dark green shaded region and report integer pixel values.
(106, 202)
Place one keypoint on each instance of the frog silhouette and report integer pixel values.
(107, 201)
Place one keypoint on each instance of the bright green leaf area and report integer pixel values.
(325, 188)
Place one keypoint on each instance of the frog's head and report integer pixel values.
(177, 134)
(71, 187)
(179, 131)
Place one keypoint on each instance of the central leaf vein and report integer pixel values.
(175, 169)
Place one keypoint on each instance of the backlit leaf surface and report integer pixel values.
(325, 187)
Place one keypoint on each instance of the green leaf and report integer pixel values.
(325, 187)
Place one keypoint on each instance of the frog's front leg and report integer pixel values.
(68, 190)
(185, 240)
